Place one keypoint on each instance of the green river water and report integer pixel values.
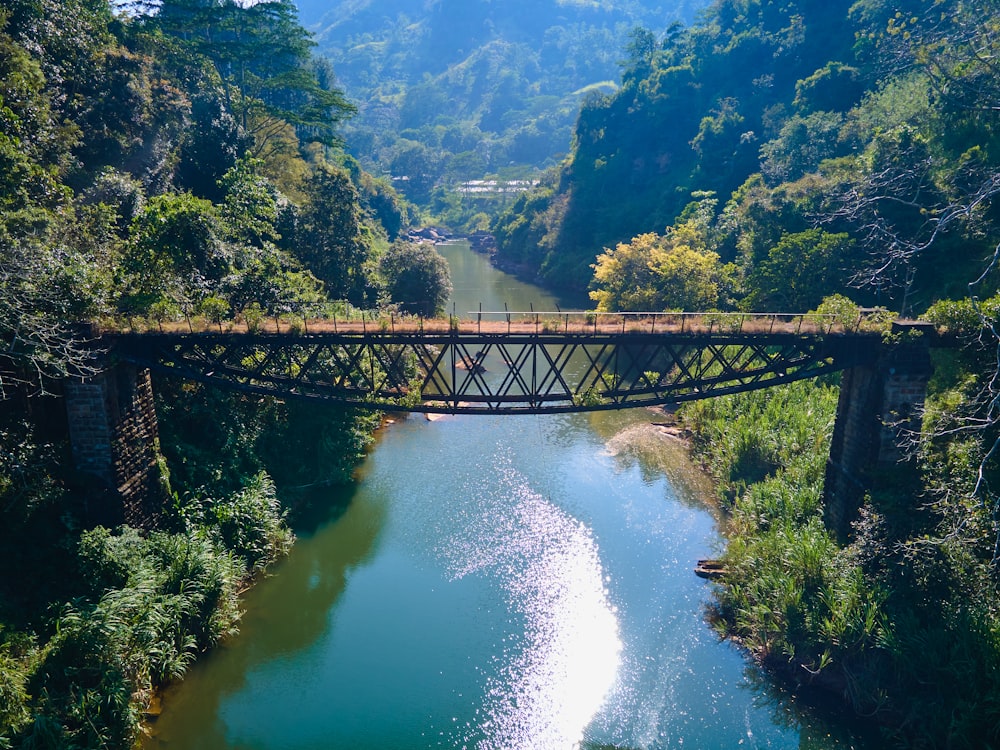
(495, 583)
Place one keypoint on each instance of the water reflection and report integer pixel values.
(658, 453)
(280, 623)
(476, 282)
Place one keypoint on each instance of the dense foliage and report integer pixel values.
(901, 621)
(861, 135)
(417, 277)
(160, 161)
(130, 613)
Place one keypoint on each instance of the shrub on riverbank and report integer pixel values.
(153, 604)
(745, 439)
(901, 622)
(791, 596)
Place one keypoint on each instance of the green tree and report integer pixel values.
(655, 273)
(800, 271)
(32, 148)
(418, 166)
(417, 277)
(177, 249)
(333, 240)
(624, 276)
(380, 199)
(211, 144)
(262, 51)
(250, 203)
(801, 145)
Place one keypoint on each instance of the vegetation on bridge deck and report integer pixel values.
(848, 320)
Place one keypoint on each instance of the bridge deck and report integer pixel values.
(528, 322)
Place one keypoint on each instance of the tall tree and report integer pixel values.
(264, 54)
(417, 277)
(333, 240)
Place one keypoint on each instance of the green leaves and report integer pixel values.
(334, 241)
(154, 603)
(13, 693)
(250, 523)
(799, 271)
(676, 271)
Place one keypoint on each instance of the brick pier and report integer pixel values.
(114, 438)
(878, 418)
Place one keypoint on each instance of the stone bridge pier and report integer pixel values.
(878, 420)
(114, 439)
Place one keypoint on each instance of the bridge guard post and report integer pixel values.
(878, 418)
(114, 438)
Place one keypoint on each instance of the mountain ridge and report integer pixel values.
(453, 90)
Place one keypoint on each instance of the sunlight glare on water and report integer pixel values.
(544, 695)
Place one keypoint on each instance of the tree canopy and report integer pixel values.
(416, 277)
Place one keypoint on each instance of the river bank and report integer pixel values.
(835, 623)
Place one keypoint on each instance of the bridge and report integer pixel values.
(509, 367)
(508, 363)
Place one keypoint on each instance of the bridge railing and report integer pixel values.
(665, 322)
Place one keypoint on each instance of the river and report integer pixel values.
(493, 583)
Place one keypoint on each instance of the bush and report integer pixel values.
(216, 309)
(249, 523)
(13, 693)
(155, 603)
(840, 310)
(965, 316)
(253, 316)
(749, 437)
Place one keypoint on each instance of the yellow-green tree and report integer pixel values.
(656, 272)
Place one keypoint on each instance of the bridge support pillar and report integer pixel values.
(114, 439)
(878, 416)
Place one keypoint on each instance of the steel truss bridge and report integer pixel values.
(523, 367)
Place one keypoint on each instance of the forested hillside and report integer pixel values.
(861, 133)
(158, 167)
(455, 90)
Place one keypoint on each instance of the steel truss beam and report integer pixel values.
(523, 373)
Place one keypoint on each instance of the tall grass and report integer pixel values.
(792, 596)
(154, 603)
(747, 438)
